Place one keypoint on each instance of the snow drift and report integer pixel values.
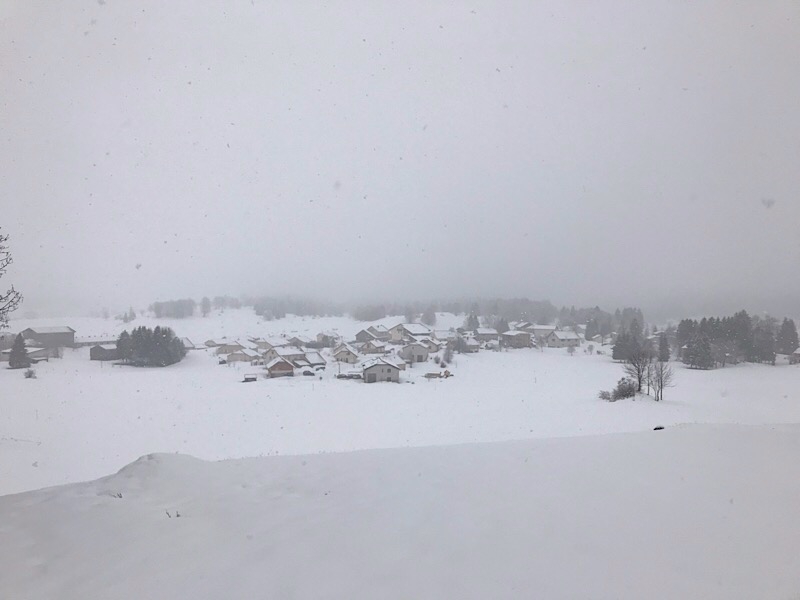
(687, 512)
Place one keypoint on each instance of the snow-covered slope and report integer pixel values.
(689, 512)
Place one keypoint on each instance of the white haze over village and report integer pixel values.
(616, 154)
(399, 300)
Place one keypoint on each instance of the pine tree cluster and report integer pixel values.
(145, 347)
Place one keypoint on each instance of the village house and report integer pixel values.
(345, 353)
(279, 368)
(50, 337)
(364, 336)
(380, 332)
(232, 346)
(314, 360)
(431, 344)
(414, 353)
(486, 334)
(103, 352)
(244, 355)
(405, 331)
(380, 369)
(263, 344)
(287, 353)
(540, 333)
(563, 339)
(373, 346)
(396, 361)
(516, 339)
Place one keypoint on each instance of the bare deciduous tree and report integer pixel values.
(11, 299)
(638, 363)
(662, 377)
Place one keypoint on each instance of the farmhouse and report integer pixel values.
(345, 353)
(380, 369)
(50, 337)
(103, 352)
(373, 346)
(486, 334)
(243, 355)
(405, 331)
(445, 335)
(229, 347)
(364, 336)
(269, 343)
(563, 339)
(516, 339)
(414, 352)
(540, 332)
(279, 368)
(380, 332)
(287, 353)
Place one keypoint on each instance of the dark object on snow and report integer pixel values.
(659, 428)
(250, 377)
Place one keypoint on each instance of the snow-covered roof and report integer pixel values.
(103, 346)
(344, 347)
(276, 361)
(378, 361)
(471, 342)
(566, 335)
(515, 332)
(445, 334)
(314, 358)
(486, 331)
(61, 329)
(187, 343)
(286, 351)
(796, 351)
(248, 352)
(416, 329)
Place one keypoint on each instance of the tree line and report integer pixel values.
(715, 341)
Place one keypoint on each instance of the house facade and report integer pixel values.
(517, 339)
(380, 370)
(279, 368)
(414, 352)
(563, 339)
(345, 353)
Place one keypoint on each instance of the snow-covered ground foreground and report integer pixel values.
(80, 420)
(689, 512)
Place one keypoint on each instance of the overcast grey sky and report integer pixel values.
(402, 149)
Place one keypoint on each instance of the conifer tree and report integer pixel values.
(19, 359)
(787, 341)
(663, 348)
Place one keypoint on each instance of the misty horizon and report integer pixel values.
(421, 151)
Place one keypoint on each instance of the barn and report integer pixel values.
(104, 352)
(50, 337)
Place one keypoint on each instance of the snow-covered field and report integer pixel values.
(689, 512)
(81, 420)
(555, 508)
